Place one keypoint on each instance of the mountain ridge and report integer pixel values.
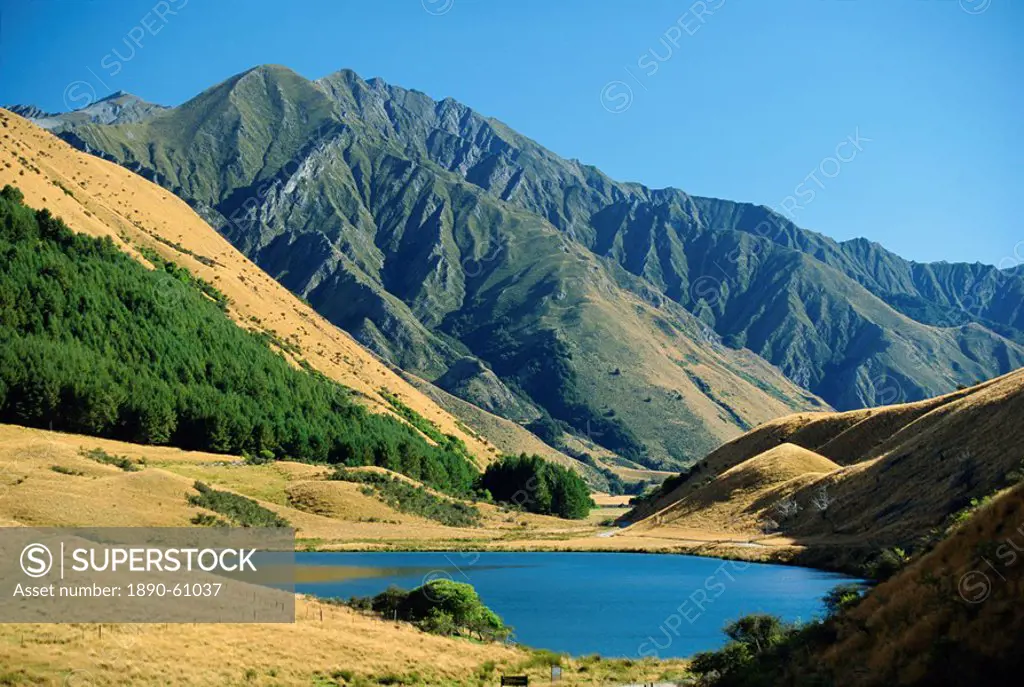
(431, 232)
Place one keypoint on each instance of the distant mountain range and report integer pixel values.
(118, 107)
(538, 287)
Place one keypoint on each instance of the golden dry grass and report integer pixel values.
(950, 617)
(232, 654)
(327, 645)
(889, 475)
(326, 514)
(329, 515)
(726, 503)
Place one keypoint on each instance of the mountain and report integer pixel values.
(117, 108)
(435, 234)
(842, 487)
(740, 267)
(439, 276)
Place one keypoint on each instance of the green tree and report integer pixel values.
(439, 622)
(729, 659)
(842, 597)
(758, 631)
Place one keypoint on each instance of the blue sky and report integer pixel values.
(743, 99)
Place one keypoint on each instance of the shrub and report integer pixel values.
(758, 631)
(101, 456)
(729, 659)
(842, 597)
(207, 520)
(438, 622)
(241, 510)
(887, 563)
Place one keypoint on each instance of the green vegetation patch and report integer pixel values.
(448, 441)
(443, 607)
(415, 500)
(537, 486)
(101, 456)
(242, 511)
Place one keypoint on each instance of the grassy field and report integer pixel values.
(327, 645)
(327, 515)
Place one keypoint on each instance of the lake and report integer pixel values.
(613, 604)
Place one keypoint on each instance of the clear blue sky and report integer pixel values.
(743, 103)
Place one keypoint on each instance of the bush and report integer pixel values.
(758, 631)
(887, 563)
(537, 486)
(729, 659)
(241, 510)
(440, 606)
(439, 622)
(207, 520)
(101, 456)
(842, 597)
(753, 657)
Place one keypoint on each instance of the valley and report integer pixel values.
(484, 384)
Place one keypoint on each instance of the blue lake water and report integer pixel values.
(613, 604)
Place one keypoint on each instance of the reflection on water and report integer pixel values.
(327, 572)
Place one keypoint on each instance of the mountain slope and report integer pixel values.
(718, 258)
(429, 270)
(853, 323)
(964, 597)
(96, 343)
(102, 199)
(897, 473)
(940, 294)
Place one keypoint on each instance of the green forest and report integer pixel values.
(95, 343)
(537, 486)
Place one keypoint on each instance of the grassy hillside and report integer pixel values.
(95, 343)
(850, 485)
(58, 479)
(328, 645)
(953, 617)
(950, 618)
(100, 199)
(431, 271)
